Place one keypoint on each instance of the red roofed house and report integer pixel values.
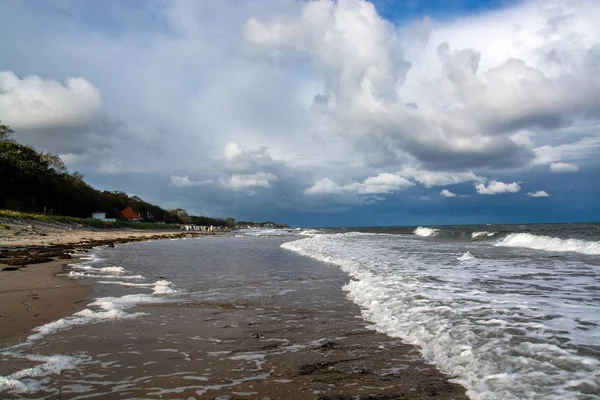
(131, 215)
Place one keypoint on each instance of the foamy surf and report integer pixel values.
(504, 328)
(113, 269)
(547, 243)
(466, 257)
(484, 233)
(76, 274)
(425, 232)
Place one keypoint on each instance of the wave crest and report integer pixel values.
(422, 231)
(547, 243)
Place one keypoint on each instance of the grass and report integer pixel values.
(95, 223)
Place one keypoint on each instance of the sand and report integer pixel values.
(246, 351)
(34, 296)
(30, 294)
(35, 233)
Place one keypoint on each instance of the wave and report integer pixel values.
(310, 232)
(422, 231)
(455, 325)
(547, 243)
(465, 257)
(115, 270)
(484, 233)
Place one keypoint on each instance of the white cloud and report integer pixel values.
(326, 186)
(447, 193)
(563, 167)
(539, 193)
(496, 187)
(464, 101)
(424, 198)
(244, 181)
(438, 178)
(383, 183)
(36, 103)
(587, 147)
(184, 181)
(242, 159)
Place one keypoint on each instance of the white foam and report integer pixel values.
(113, 270)
(17, 383)
(465, 257)
(489, 340)
(422, 231)
(547, 243)
(163, 287)
(309, 232)
(484, 233)
(128, 284)
(75, 274)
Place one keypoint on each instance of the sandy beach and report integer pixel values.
(206, 349)
(33, 252)
(34, 296)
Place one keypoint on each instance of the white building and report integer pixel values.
(102, 217)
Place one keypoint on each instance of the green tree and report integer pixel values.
(5, 132)
(54, 162)
(181, 215)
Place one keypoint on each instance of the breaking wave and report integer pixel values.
(547, 243)
(422, 231)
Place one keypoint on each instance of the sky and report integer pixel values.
(317, 113)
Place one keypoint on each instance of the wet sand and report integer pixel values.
(266, 348)
(30, 292)
(34, 296)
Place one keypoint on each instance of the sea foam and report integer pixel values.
(484, 233)
(465, 257)
(502, 343)
(422, 231)
(547, 243)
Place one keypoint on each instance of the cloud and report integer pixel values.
(539, 193)
(240, 158)
(585, 148)
(563, 167)
(35, 103)
(383, 183)
(322, 98)
(497, 187)
(326, 186)
(447, 193)
(184, 181)
(452, 111)
(439, 178)
(244, 181)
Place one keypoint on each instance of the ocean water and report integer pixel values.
(509, 312)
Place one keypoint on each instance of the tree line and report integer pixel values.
(40, 182)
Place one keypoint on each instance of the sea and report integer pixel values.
(507, 311)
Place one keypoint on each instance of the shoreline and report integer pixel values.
(295, 353)
(32, 294)
(35, 296)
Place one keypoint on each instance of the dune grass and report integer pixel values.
(95, 223)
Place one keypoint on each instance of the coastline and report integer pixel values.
(30, 292)
(297, 353)
(34, 296)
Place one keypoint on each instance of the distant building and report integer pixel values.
(102, 216)
(131, 215)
